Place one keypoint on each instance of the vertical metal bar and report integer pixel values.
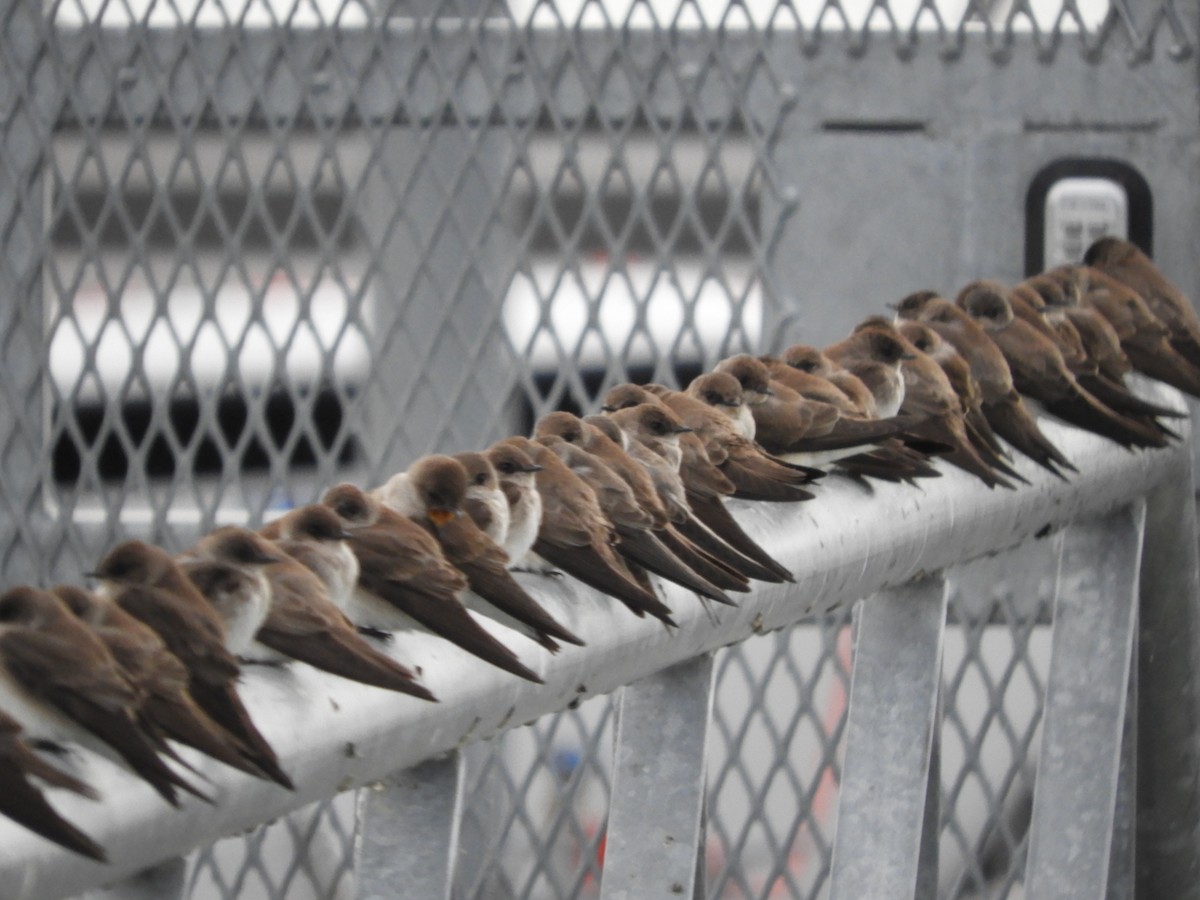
(166, 881)
(27, 87)
(408, 827)
(658, 789)
(880, 849)
(1168, 746)
(931, 827)
(1074, 798)
(1123, 858)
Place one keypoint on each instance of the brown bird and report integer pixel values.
(712, 559)
(24, 803)
(485, 502)
(433, 493)
(516, 478)
(313, 536)
(167, 601)
(228, 567)
(934, 411)
(1002, 405)
(705, 522)
(60, 683)
(1144, 339)
(1124, 261)
(809, 360)
(575, 537)
(168, 708)
(1038, 369)
(405, 581)
(639, 543)
(958, 371)
(1095, 358)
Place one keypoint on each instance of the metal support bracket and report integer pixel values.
(408, 832)
(1074, 799)
(655, 820)
(887, 831)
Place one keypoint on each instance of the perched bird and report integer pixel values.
(933, 407)
(1124, 261)
(485, 502)
(60, 683)
(809, 360)
(168, 708)
(1002, 404)
(433, 493)
(24, 803)
(227, 567)
(167, 601)
(1038, 369)
(313, 536)
(516, 477)
(639, 543)
(575, 537)
(711, 558)
(405, 581)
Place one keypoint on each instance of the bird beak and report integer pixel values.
(532, 468)
(95, 575)
(683, 429)
(767, 392)
(343, 535)
(608, 409)
(908, 356)
(440, 517)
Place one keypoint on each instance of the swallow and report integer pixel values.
(485, 502)
(958, 372)
(193, 631)
(1084, 359)
(1144, 339)
(305, 625)
(24, 803)
(1038, 369)
(810, 385)
(1124, 261)
(405, 581)
(1003, 406)
(516, 477)
(576, 537)
(756, 388)
(937, 413)
(711, 559)
(433, 493)
(710, 527)
(228, 568)
(60, 683)
(809, 360)
(168, 708)
(313, 536)
(639, 543)
(875, 359)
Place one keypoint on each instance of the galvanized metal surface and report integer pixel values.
(408, 827)
(844, 546)
(660, 774)
(1075, 801)
(881, 850)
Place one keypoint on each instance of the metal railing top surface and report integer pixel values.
(333, 735)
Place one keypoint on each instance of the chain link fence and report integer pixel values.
(255, 249)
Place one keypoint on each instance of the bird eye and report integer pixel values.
(712, 397)
(481, 478)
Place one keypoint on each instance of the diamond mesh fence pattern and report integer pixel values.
(257, 248)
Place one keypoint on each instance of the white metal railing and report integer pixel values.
(334, 735)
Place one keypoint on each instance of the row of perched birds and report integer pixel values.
(150, 659)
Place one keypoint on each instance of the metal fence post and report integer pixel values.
(408, 827)
(1074, 799)
(24, 120)
(1168, 751)
(655, 820)
(887, 824)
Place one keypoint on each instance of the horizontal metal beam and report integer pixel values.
(332, 735)
(494, 72)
